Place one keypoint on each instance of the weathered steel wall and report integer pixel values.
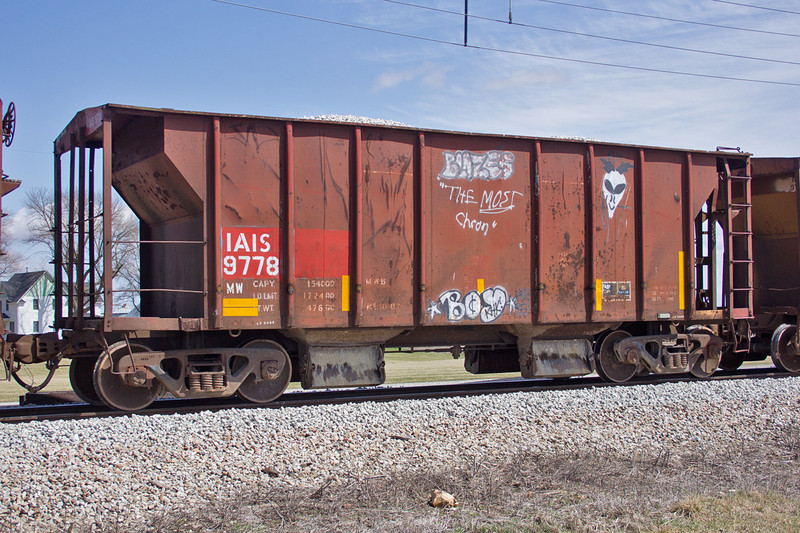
(477, 217)
(776, 242)
(309, 224)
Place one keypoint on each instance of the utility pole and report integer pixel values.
(466, 10)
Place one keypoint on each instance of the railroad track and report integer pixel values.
(34, 410)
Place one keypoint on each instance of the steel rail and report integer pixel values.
(33, 410)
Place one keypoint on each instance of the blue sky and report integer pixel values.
(60, 57)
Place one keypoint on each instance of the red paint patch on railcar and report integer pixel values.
(321, 253)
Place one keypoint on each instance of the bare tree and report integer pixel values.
(10, 260)
(124, 250)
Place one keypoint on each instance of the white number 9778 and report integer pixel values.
(247, 266)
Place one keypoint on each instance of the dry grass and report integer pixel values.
(740, 488)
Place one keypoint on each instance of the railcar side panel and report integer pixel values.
(388, 250)
(323, 165)
(664, 254)
(562, 231)
(614, 227)
(250, 226)
(478, 224)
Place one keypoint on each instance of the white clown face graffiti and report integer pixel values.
(614, 184)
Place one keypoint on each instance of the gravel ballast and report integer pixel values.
(128, 469)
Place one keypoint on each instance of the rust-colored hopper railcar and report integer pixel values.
(277, 247)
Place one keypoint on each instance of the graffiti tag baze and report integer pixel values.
(463, 164)
(488, 305)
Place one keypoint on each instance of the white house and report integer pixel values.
(27, 302)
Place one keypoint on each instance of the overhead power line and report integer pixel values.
(681, 21)
(759, 7)
(505, 51)
(594, 36)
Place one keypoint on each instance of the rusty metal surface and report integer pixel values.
(342, 366)
(313, 225)
(556, 358)
(614, 227)
(662, 218)
(388, 249)
(478, 222)
(249, 232)
(562, 276)
(35, 348)
(776, 242)
(323, 166)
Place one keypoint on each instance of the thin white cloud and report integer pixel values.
(429, 74)
(15, 226)
(528, 77)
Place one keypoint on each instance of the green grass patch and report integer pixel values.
(10, 391)
(739, 511)
(422, 367)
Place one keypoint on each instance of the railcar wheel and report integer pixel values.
(608, 364)
(273, 383)
(784, 351)
(731, 360)
(81, 377)
(709, 359)
(121, 385)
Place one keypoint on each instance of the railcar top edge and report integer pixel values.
(90, 120)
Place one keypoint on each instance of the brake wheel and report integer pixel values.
(9, 124)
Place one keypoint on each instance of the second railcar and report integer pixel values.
(776, 262)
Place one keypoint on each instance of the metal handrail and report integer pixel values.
(187, 291)
(158, 242)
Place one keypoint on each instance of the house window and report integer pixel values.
(6, 305)
(35, 325)
(36, 305)
(11, 327)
